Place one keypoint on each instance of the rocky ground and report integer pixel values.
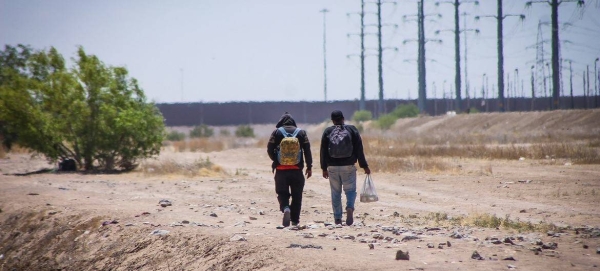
(229, 220)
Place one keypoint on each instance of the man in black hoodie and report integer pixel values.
(289, 180)
(341, 148)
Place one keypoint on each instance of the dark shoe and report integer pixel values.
(286, 217)
(295, 223)
(349, 216)
(338, 221)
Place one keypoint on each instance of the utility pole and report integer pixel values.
(532, 88)
(588, 88)
(381, 109)
(555, 46)
(361, 104)
(500, 16)
(571, 83)
(421, 67)
(457, 81)
(596, 82)
(324, 11)
(516, 88)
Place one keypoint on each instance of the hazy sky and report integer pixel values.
(272, 50)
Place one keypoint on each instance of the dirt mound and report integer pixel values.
(45, 240)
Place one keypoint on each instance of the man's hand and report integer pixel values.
(308, 173)
(367, 171)
(325, 174)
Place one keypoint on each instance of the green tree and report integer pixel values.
(244, 131)
(93, 113)
(362, 115)
(202, 131)
(386, 121)
(175, 136)
(405, 111)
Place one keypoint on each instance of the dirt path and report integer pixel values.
(51, 221)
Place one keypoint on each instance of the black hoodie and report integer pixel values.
(289, 124)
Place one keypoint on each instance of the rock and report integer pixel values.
(261, 213)
(509, 258)
(322, 234)
(52, 212)
(237, 238)
(511, 267)
(457, 235)
(185, 222)
(550, 245)
(308, 235)
(33, 194)
(476, 256)
(165, 203)
(598, 250)
(159, 232)
(305, 246)
(213, 214)
(586, 246)
(349, 237)
(448, 243)
(400, 255)
(507, 240)
(371, 246)
(430, 245)
(252, 218)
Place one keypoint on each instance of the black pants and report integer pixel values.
(290, 183)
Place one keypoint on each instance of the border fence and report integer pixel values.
(238, 113)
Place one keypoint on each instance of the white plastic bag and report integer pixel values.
(368, 193)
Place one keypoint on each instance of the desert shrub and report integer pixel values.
(360, 127)
(93, 113)
(224, 132)
(386, 121)
(244, 131)
(175, 136)
(362, 115)
(201, 131)
(405, 111)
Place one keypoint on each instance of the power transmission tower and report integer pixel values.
(421, 67)
(457, 32)
(380, 105)
(361, 103)
(500, 16)
(539, 59)
(324, 11)
(555, 46)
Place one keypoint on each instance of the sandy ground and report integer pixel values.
(229, 221)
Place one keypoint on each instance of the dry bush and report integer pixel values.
(488, 221)
(199, 167)
(410, 164)
(393, 147)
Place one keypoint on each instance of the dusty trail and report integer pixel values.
(228, 221)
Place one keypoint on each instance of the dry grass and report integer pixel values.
(199, 167)
(489, 221)
(410, 164)
(578, 153)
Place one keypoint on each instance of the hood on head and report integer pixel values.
(286, 120)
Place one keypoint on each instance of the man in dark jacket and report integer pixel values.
(289, 180)
(341, 148)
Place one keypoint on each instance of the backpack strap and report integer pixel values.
(296, 132)
(286, 134)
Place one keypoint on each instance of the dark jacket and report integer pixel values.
(357, 150)
(288, 123)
